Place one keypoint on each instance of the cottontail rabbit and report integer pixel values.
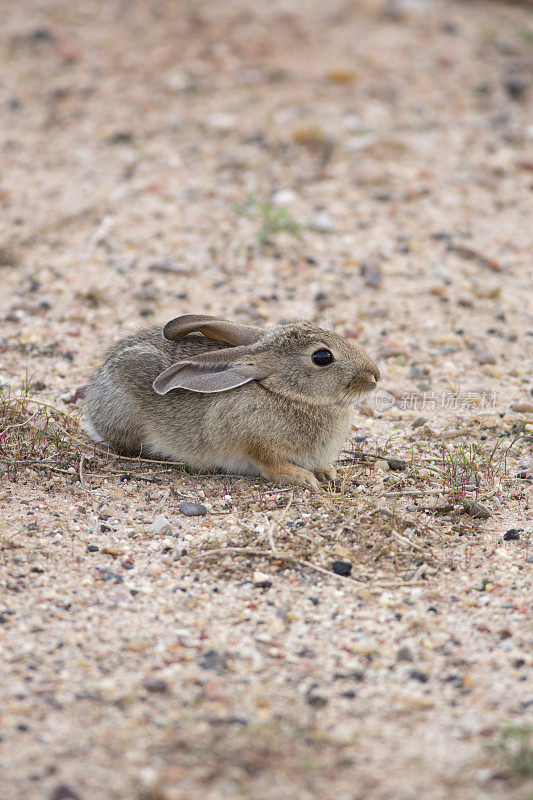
(221, 395)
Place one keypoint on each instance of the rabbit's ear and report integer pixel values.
(221, 330)
(206, 378)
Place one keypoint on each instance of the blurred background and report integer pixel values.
(364, 164)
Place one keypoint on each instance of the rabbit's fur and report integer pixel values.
(237, 398)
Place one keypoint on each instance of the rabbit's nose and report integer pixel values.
(371, 374)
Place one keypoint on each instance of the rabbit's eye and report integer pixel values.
(322, 357)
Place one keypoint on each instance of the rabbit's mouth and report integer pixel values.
(360, 386)
(365, 381)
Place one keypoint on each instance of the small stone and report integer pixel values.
(41, 35)
(512, 534)
(316, 700)
(418, 373)
(261, 580)
(92, 548)
(309, 134)
(397, 464)
(450, 338)
(63, 792)
(393, 350)
(352, 123)
(522, 408)
(323, 301)
(344, 76)
(371, 275)
(220, 121)
(169, 266)
(483, 356)
(417, 675)
(341, 568)
(488, 290)
(492, 370)
(284, 197)
(418, 422)
(111, 550)
(516, 88)
(120, 137)
(381, 465)
(476, 510)
(213, 660)
(405, 653)
(160, 525)
(193, 509)
(322, 223)
(153, 684)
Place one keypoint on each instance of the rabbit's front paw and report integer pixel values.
(326, 474)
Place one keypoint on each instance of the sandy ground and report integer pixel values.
(138, 143)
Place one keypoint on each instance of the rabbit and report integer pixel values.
(216, 394)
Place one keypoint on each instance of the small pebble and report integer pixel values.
(92, 548)
(522, 408)
(120, 137)
(381, 465)
(512, 534)
(322, 223)
(418, 422)
(352, 123)
(341, 568)
(381, 197)
(371, 275)
(220, 121)
(405, 653)
(484, 357)
(111, 550)
(153, 684)
(284, 196)
(160, 525)
(316, 700)
(261, 580)
(417, 675)
(193, 509)
(391, 351)
(63, 792)
(516, 88)
(213, 660)
(476, 510)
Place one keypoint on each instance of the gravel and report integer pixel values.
(139, 664)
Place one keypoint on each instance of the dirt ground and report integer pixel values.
(366, 165)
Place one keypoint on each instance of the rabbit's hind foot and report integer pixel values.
(285, 472)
